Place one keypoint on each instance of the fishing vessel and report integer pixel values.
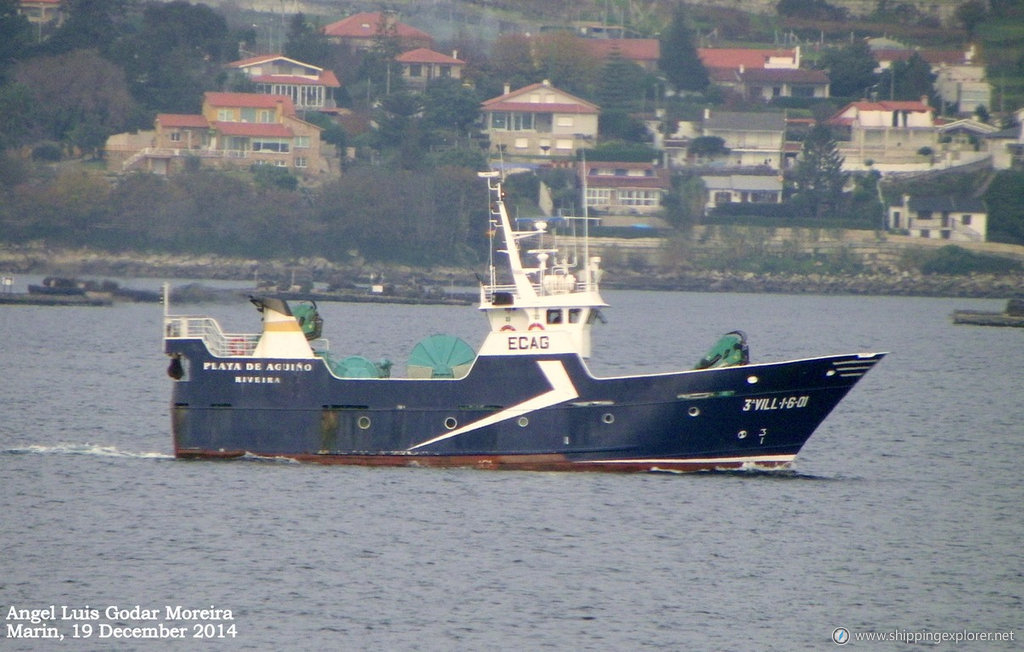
(525, 400)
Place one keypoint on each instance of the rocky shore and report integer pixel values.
(41, 260)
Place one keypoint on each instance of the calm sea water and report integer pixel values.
(901, 516)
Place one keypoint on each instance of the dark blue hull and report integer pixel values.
(516, 411)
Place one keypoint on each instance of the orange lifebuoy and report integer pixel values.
(535, 326)
(508, 327)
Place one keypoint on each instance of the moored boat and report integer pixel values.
(525, 400)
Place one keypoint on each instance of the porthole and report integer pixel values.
(608, 417)
(742, 434)
(693, 411)
(523, 422)
(752, 380)
(363, 422)
(450, 423)
(830, 372)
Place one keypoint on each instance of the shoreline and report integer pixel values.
(82, 262)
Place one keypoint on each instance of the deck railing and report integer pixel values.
(218, 342)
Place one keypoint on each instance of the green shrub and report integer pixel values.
(958, 261)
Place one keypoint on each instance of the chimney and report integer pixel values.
(707, 113)
(743, 68)
(455, 54)
(924, 100)
(508, 88)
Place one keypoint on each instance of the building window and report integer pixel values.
(563, 143)
(270, 145)
(248, 114)
(565, 121)
(175, 136)
(522, 143)
(639, 197)
(723, 197)
(965, 220)
(301, 142)
(415, 70)
(300, 162)
(522, 122)
(499, 120)
(225, 115)
(599, 197)
(265, 116)
(446, 71)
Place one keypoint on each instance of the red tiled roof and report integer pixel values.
(182, 120)
(425, 55)
(366, 24)
(269, 129)
(250, 100)
(633, 49)
(736, 57)
(933, 57)
(849, 113)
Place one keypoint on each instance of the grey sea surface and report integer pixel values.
(901, 518)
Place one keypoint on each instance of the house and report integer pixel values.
(886, 135)
(422, 65)
(233, 130)
(742, 188)
(624, 188)
(963, 219)
(48, 13)
(723, 64)
(539, 121)
(963, 88)
(363, 31)
(753, 139)
(309, 87)
(771, 83)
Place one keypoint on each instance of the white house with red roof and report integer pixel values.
(309, 87)
(233, 130)
(888, 136)
(363, 30)
(422, 65)
(723, 64)
(539, 121)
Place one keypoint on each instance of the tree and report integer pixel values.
(512, 61)
(810, 10)
(15, 35)
(851, 69)
(306, 43)
(818, 178)
(912, 79)
(621, 83)
(450, 105)
(561, 59)
(90, 24)
(17, 112)
(971, 14)
(176, 54)
(80, 98)
(679, 61)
